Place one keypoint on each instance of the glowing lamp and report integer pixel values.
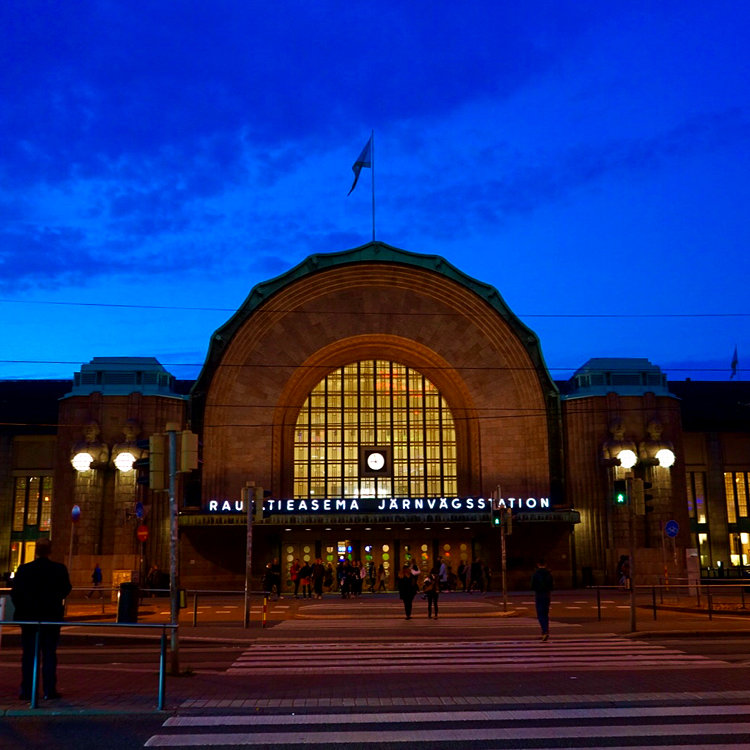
(125, 461)
(628, 459)
(665, 457)
(82, 461)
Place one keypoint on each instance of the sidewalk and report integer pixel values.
(89, 688)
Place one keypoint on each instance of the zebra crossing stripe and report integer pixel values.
(304, 730)
(476, 656)
(534, 714)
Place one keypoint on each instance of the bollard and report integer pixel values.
(598, 604)
(162, 668)
(35, 675)
(195, 609)
(710, 604)
(653, 599)
(265, 610)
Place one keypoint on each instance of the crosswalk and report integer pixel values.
(517, 654)
(525, 724)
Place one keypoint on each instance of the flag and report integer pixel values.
(363, 160)
(734, 363)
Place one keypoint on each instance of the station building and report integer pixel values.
(379, 401)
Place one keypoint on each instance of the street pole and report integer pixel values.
(248, 492)
(631, 536)
(174, 579)
(503, 556)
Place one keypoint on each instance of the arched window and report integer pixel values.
(374, 403)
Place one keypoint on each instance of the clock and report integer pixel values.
(375, 461)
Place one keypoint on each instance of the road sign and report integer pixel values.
(671, 528)
(75, 513)
(142, 533)
(139, 510)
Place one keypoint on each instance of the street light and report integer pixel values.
(124, 461)
(82, 461)
(628, 458)
(665, 457)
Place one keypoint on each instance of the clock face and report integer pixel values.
(375, 461)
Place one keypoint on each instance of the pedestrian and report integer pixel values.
(443, 575)
(268, 582)
(276, 569)
(542, 584)
(431, 590)
(305, 576)
(96, 582)
(461, 573)
(476, 575)
(407, 589)
(623, 572)
(38, 593)
(381, 577)
(318, 576)
(294, 576)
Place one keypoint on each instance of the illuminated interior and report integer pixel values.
(374, 403)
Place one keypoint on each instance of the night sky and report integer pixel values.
(588, 159)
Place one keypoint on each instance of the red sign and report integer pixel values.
(142, 533)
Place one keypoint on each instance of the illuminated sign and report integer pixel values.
(380, 505)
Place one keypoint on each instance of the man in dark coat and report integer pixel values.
(38, 593)
(542, 585)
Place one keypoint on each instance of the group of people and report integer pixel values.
(542, 584)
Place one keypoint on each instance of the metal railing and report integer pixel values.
(38, 624)
(724, 598)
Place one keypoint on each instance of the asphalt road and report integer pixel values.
(315, 677)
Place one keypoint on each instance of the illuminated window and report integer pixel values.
(735, 488)
(696, 496)
(32, 504)
(374, 402)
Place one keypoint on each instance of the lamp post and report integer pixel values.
(636, 465)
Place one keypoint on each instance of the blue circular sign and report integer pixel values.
(139, 510)
(672, 528)
(75, 513)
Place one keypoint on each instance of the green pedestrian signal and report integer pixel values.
(620, 492)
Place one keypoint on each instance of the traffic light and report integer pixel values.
(151, 470)
(637, 495)
(157, 462)
(141, 464)
(648, 498)
(188, 451)
(620, 492)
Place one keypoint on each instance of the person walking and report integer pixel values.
(305, 577)
(542, 584)
(381, 578)
(38, 594)
(318, 575)
(96, 582)
(431, 589)
(294, 576)
(443, 575)
(407, 589)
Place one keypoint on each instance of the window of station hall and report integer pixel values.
(374, 403)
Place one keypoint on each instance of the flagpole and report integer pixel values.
(372, 161)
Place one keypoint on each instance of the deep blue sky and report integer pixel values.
(584, 157)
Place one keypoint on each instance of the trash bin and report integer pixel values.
(127, 603)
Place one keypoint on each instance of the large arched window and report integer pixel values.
(374, 403)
